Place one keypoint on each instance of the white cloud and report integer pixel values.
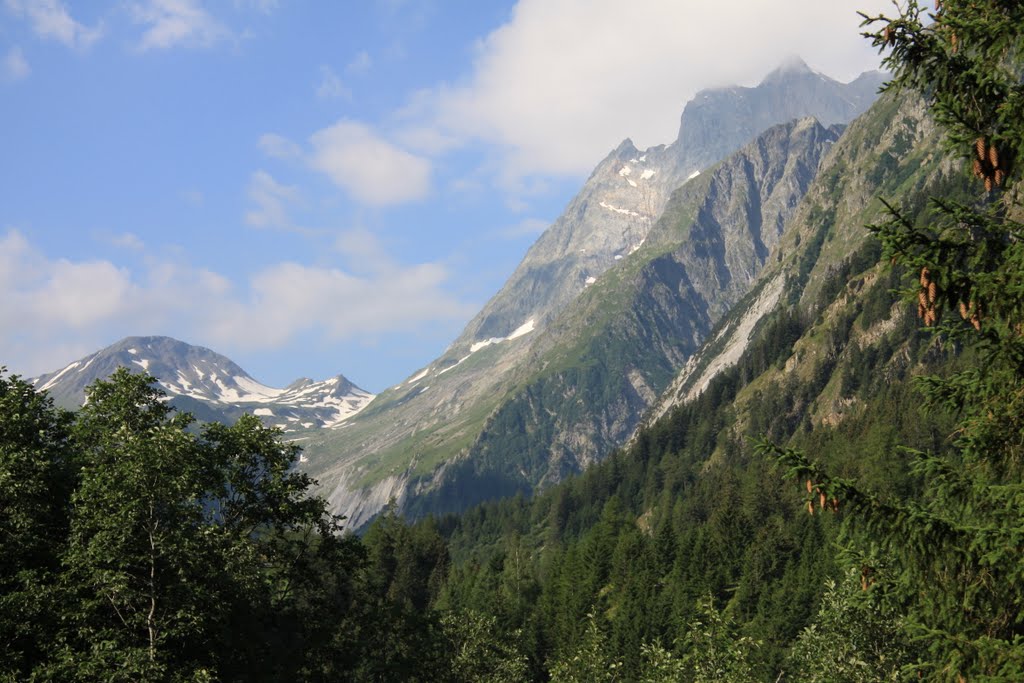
(14, 67)
(47, 294)
(279, 147)
(170, 23)
(360, 64)
(564, 81)
(330, 86)
(271, 199)
(55, 310)
(371, 169)
(290, 300)
(51, 20)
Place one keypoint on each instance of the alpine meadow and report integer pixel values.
(750, 410)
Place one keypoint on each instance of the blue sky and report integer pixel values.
(322, 187)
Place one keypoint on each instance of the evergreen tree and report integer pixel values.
(953, 557)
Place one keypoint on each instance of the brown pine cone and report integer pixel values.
(993, 156)
(979, 148)
(933, 292)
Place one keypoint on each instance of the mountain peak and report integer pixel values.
(794, 65)
(210, 385)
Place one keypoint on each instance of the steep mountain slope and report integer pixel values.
(402, 446)
(210, 385)
(892, 151)
(527, 409)
(627, 192)
(819, 355)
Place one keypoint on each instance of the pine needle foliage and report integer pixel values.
(954, 557)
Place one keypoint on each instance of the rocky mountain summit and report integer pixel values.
(210, 385)
(628, 190)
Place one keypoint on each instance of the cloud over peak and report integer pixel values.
(564, 81)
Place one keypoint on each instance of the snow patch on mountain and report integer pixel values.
(417, 378)
(525, 328)
(50, 383)
(616, 209)
(695, 377)
(204, 376)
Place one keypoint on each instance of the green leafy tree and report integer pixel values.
(661, 665)
(480, 652)
(855, 637)
(36, 477)
(191, 556)
(956, 559)
(713, 649)
(138, 559)
(590, 661)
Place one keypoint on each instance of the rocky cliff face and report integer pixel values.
(889, 151)
(602, 363)
(628, 191)
(719, 121)
(525, 410)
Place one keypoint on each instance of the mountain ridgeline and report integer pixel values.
(606, 359)
(627, 192)
(209, 385)
(605, 308)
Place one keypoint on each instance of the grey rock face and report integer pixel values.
(628, 191)
(630, 333)
(717, 122)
